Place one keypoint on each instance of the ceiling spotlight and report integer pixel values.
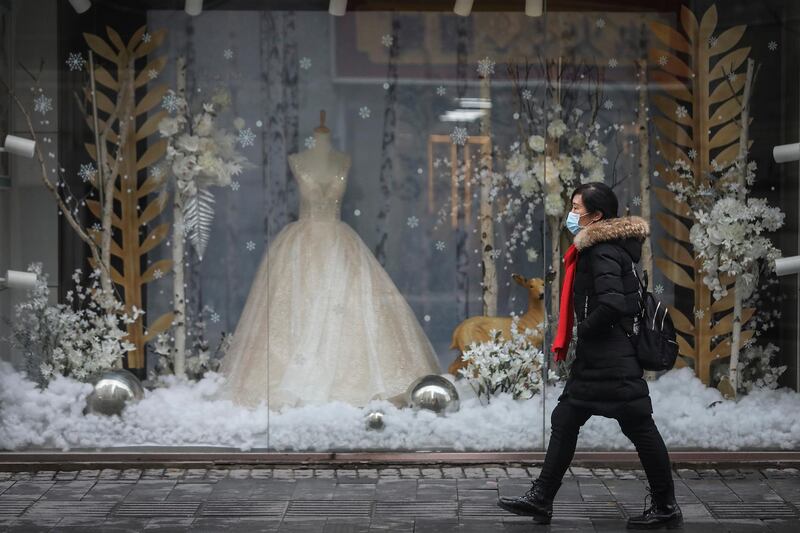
(337, 7)
(80, 6)
(18, 146)
(463, 8)
(533, 8)
(193, 7)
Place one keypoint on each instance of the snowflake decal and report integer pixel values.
(712, 41)
(527, 94)
(412, 222)
(42, 104)
(250, 246)
(732, 77)
(440, 246)
(662, 60)
(310, 142)
(637, 201)
(158, 274)
(486, 67)
(600, 23)
(773, 45)
(235, 185)
(246, 137)
(387, 40)
(364, 112)
(495, 254)
(156, 171)
(170, 102)
(608, 104)
(613, 62)
(459, 136)
(692, 153)
(699, 313)
(441, 91)
(658, 289)
(214, 317)
(681, 112)
(146, 37)
(87, 172)
(532, 254)
(75, 61)
(305, 63)
(227, 54)
(152, 73)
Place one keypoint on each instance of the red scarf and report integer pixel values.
(566, 315)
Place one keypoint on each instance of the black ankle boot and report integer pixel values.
(663, 512)
(537, 502)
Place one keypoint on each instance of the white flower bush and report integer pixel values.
(200, 155)
(729, 229)
(78, 339)
(501, 366)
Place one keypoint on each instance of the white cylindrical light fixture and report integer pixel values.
(193, 7)
(787, 265)
(19, 280)
(80, 6)
(534, 8)
(337, 8)
(19, 146)
(463, 8)
(785, 153)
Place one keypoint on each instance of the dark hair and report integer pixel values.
(597, 196)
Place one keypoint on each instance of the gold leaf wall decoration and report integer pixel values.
(701, 100)
(124, 167)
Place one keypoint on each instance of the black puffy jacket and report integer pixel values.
(606, 377)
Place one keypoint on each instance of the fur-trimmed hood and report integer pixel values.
(621, 228)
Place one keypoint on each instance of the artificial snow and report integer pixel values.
(180, 413)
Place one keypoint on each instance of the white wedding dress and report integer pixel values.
(323, 320)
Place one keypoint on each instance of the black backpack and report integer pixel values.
(653, 334)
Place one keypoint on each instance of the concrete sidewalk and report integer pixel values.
(403, 499)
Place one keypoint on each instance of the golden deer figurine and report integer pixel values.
(477, 328)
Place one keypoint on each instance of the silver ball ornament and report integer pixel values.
(375, 421)
(433, 393)
(113, 390)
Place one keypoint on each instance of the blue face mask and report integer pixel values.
(573, 222)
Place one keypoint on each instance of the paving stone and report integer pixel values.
(496, 472)
(432, 473)
(4, 485)
(474, 473)
(44, 475)
(708, 473)
(324, 473)
(370, 473)
(217, 474)
(69, 490)
(711, 490)
(109, 491)
(110, 474)
(266, 473)
(410, 473)
(396, 490)
(624, 474)
(752, 491)
(190, 491)
(151, 490)
(353, 491)
(593, 490)
(477, 484)
(153, 473)
(687, 473)
(453, 472)
(130, 474)
(27, 490)
(283, 473)
(517, 472)
(314, 489)
(389, 472)
(239, 473)
(437, 490)
(22, 476)
(65, 475)
(603, 473)
(534, 471)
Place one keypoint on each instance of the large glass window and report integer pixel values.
(307, 232)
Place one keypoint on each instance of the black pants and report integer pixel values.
(566, 422)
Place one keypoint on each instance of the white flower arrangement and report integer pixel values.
(200, 156)
(756, 370)
(729, 229)
(501, 366)
(80, 338)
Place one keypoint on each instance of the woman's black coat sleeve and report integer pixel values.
(609, 290)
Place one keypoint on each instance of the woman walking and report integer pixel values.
(601, 290)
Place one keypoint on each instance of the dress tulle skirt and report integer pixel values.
(324, 322)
